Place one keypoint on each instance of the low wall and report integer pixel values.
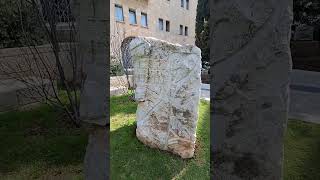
(36, 66)
(27, 61)
(15, 94)
(121, 81)
(306, 55)
(205, 77)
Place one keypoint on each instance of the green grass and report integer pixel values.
(130, 159)
(302, 151)
(37, 144)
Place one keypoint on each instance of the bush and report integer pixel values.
(19, 25)
(306, 12)
(116, 68)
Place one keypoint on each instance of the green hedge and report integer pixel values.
(19, 25)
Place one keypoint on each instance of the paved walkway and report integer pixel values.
(304, 95)
(205, 92)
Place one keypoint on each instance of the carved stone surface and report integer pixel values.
(251, 63)
(167, 82)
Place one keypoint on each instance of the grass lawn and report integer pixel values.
(35, 144)
(131, 160)
(302, 151)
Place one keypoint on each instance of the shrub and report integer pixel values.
(19, 25)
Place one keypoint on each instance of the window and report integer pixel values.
(181, 30)
(187, 4)
(119, 13)
(168, 26)
(186, 31)
(132, 17)
(144, 20)
(182, 3)
(160, 24)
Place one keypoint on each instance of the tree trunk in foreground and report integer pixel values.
(251, 63)
(94, 48)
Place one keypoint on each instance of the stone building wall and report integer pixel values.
(27, 64)
(168, 10)
(22, 60)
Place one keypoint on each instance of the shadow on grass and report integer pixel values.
(38, 139)
(302, 151)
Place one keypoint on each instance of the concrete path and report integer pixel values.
(305, 96)
(205, 92)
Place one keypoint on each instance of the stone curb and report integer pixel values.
(305, 117)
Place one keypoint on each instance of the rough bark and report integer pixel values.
(251, 63)
(97, 155)
(94, 51)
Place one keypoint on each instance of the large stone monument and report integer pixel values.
(251, 63)
(167, 89)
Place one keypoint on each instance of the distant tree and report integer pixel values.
(202, 13)
(13, 30)
(203, 43)
(307, 12)
(203, 31)
(30, 17)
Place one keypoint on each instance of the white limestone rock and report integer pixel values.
(167, 79)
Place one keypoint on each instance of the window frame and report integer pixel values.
(186, 31)
(121, 7)
(162, 27)
(181, 29)
(167, 26)
(187, 4)
(146, 19)
(135, 16)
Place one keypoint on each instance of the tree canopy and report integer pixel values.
(18, 24)
(307, 12)
(203, 31)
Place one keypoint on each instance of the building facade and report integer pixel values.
(170, 20)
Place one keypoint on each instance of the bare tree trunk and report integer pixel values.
(118, 57)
